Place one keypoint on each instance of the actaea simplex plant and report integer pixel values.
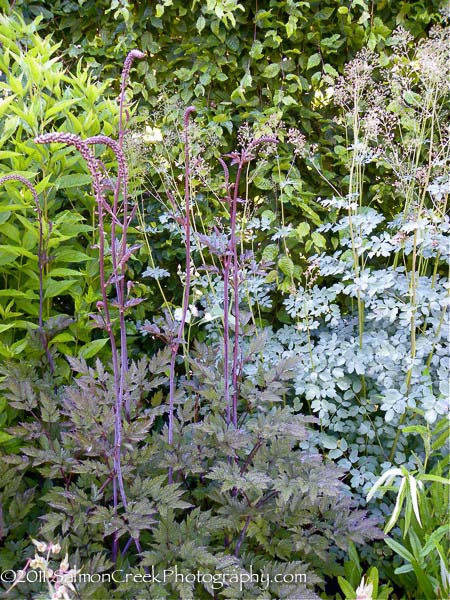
(120, 215)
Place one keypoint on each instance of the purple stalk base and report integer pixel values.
(242, 536)
(231, 257)
(122, 177)
(187, 230)
(240, 159)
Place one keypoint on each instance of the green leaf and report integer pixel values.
(92, 348)
(60, 107)
(414, 497)
(434, 538)
(262, 183)
(373, 578)
(62, 338)
(74, 180)
(350, 593)
(398, 506)
(412, 98)
(62, 272)
(256, 51)
(271, 70)
(330, 70)
(5, 437)
(313, 61)
(302, 230)
(286, 265)
(291, 26)
(200, 24)
(435, 478)
(318, 240)
(270, 252)
(246, 81)
(68, 255)
(289, 101)
(400, 550)
(56, 288)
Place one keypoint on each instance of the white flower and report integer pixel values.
(152, 135)
(64, 566)
(41, 546)
(178, 315)
(364, 591)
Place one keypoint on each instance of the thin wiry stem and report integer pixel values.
(233, 249)
(41, 260)
(226, 337)
(118, 257)
(187, 230)
(241, 159)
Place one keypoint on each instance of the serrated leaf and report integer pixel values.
(270, 252)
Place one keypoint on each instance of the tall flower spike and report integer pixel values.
(120, 157)
(74, 140)
(118, 152)
(131, 57)
(29, 185)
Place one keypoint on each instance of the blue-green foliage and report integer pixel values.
(359, 428)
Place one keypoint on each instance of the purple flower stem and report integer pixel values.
(187, 230)
(233, 248)
(117, 254)
(83, 148)
(226, 283)
(131, 57)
